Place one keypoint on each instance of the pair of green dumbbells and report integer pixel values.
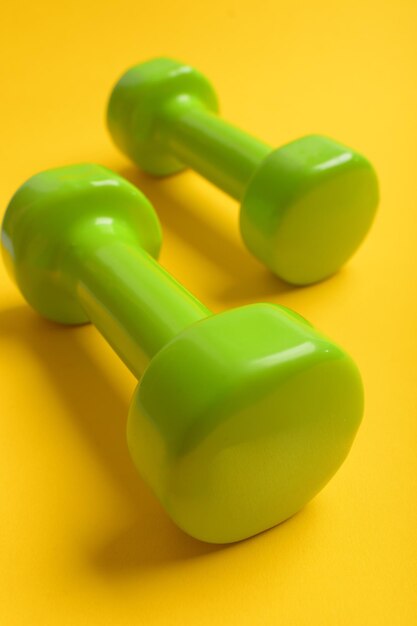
(240, 418)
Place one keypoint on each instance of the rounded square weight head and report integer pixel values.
(138, 98)
(65, 209)
(308, 207)
(242, 419)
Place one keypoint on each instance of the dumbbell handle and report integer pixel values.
(223, 154)
(135, 304)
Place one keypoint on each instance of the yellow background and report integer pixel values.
(82, 540)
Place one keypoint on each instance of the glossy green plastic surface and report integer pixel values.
(326, 203)
(242, 419)
(306, 207)
(79, 243)
(239, 418)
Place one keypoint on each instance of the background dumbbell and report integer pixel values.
(305, 208)
(240, 418)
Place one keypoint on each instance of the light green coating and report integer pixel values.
(239, 418)
(305, 207)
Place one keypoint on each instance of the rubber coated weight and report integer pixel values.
(305, 207)
(240, 418)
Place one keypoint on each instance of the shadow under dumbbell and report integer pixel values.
(99, 411)
(192, 217)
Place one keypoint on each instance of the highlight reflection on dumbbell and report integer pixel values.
(306, 207)
(240, 418)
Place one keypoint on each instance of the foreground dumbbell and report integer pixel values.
(306, 207)
(240, 418)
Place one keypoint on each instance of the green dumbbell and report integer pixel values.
(306, 207)
(240, 418)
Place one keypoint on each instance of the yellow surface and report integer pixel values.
(82, 540)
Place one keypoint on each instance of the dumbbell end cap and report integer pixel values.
(65, 209)
(308, 207)
(241, 419)
(137, 101)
